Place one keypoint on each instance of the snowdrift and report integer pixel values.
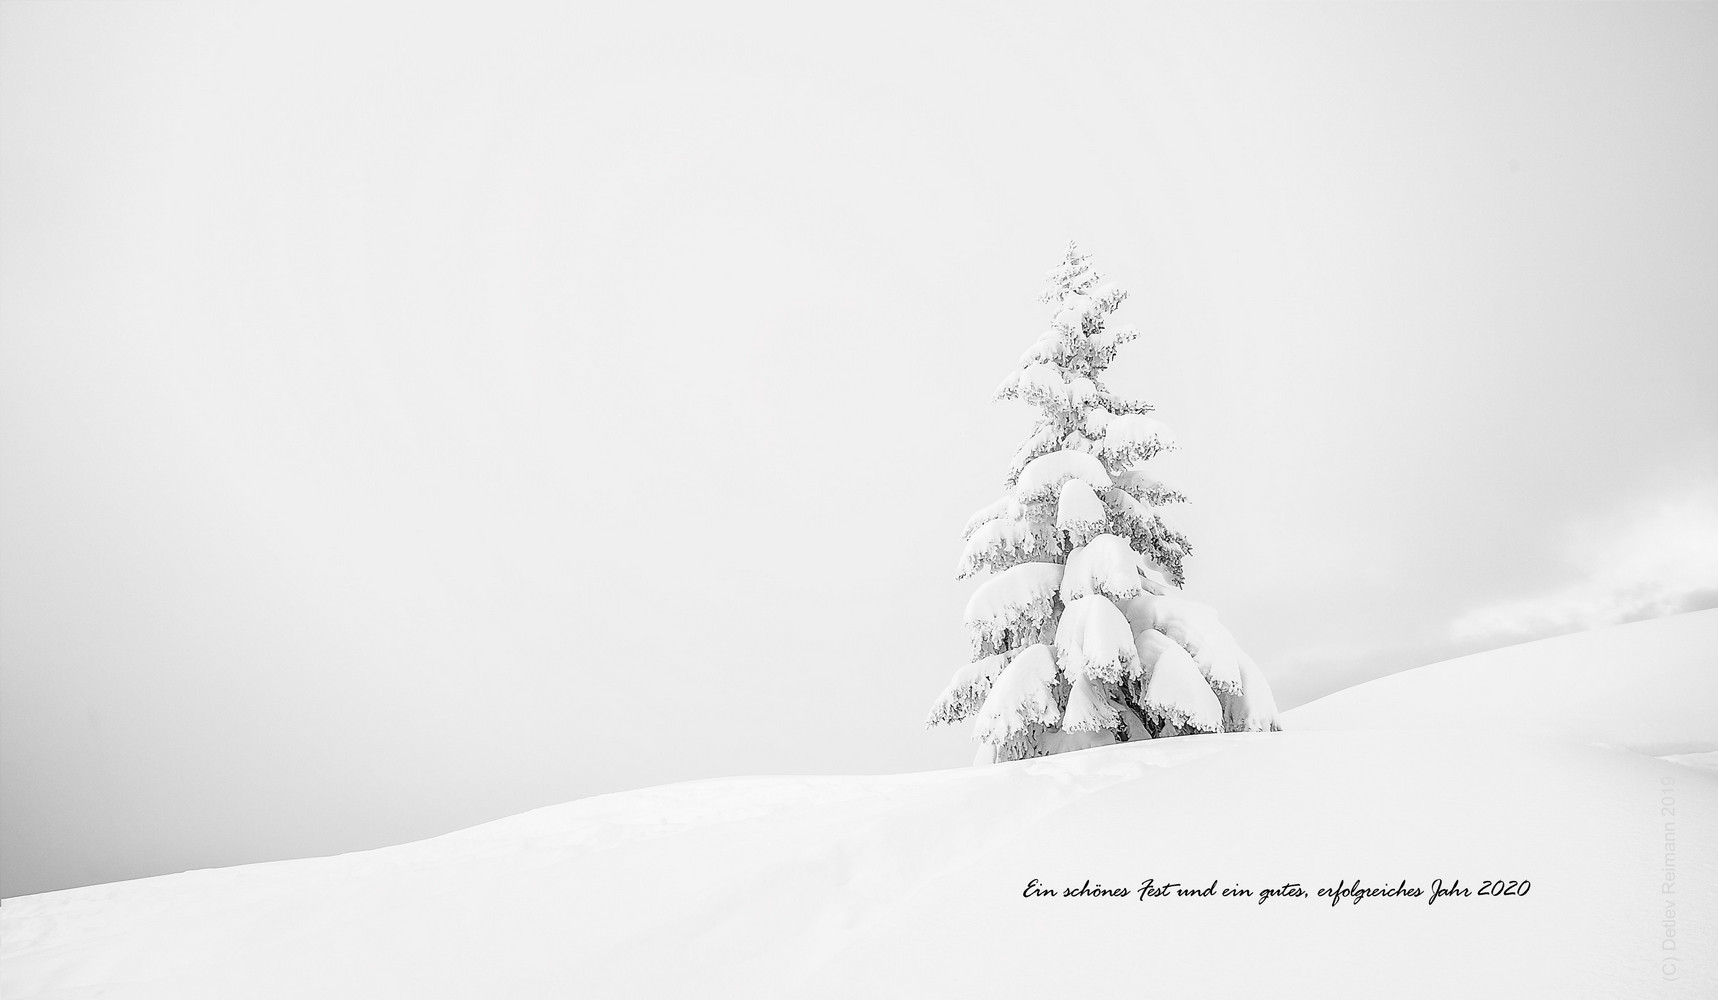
(1650, 686)
(913, 885)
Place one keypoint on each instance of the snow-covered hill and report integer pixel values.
(1651, 687)
(912, 885)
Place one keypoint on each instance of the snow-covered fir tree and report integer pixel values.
(1081, 634)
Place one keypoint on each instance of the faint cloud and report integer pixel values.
(1658, 560)
(1662, 561)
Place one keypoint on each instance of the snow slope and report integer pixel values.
(1649, 686)
(911, 885)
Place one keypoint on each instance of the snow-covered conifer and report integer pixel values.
(1081, 635)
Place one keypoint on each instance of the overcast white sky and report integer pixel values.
(416, 415)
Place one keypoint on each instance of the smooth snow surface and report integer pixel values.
(1078, 510)
(911, 885)
(1023, 695)
(1255, 709)
(1044, 475)
(1194, 627)
(1022, 591)
(1177, 689)
(1106, 565)
(1088, 710)
(1093, 640)
(1649, 686)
